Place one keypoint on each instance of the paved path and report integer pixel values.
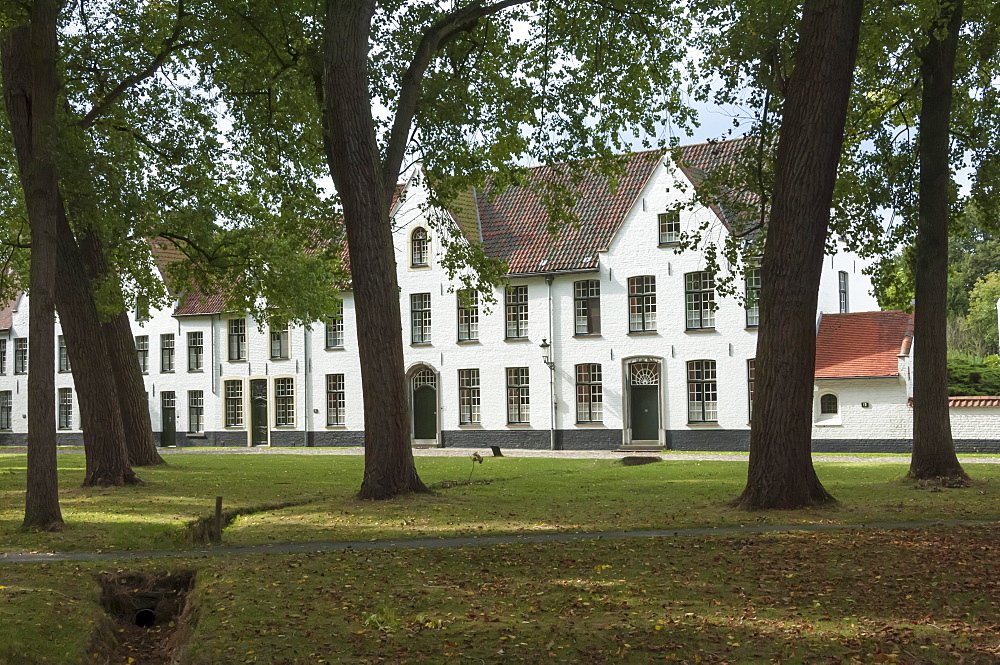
(459, 541)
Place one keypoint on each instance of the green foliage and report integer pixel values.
(972, 375)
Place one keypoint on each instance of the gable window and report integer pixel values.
(234, 403)
(516, 304)
(589, 396)
(418, 247)
(842, 289)
(587, 306)
(468, 396)
(420, 318)
(142, 352)
(6, 409)
(65, 419)
(753, 297)
(279, 342)
(64, 365)
(21, 355)
(335, 411)
(3, 356)
(167, 353)
(670, 227)
(237, 339)
(284, 402)
(751, 368)
(196, 351)
(196, 411)
(703, 394)
(335, 328)
(468, 315)
(641, 303)
(518, 399)
(699, 291)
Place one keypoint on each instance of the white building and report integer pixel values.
(606, 338)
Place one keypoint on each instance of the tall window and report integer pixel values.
(420, 318)
(237, 339)
(21, 355)
(335, 403)
(64, 365)
(751, 368)
(167, 353)
(703, 393)
(589, 395)
(587, 306)
(468, 315)
(753, 297)
(284, 402)
(518, 400)
(418, 247)
(196, 411)
(699, 291)
(3, 356)
(516, 304)
(142, 352)
(279, 342)
(335, 328)
(670, 227)
(6, 407)
(234, 403)
(842, 288)
(641, 303)
(65, 408)
(468, 396)
(196, 351)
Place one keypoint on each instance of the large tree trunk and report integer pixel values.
(781, 474)
(30, 83)
(354, 164)
(933, 448)
(120, 345)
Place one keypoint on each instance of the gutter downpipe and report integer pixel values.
(306, 381)
(552, 372)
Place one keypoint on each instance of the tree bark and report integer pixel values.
(355, 168)
(28, 55)
(781, 474)
(933, 448)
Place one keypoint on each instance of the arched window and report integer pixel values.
(828, 405)
(418, 247)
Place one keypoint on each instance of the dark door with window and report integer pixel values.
(425, 413)
(258, 412)
(645, 413)
(168, 427)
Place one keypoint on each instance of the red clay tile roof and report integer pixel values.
(697, 161)
(975, 401)
(861, 344)
(7, 313)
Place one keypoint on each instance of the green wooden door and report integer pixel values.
(425, 412)
(168, 427)
(645, 413)
(258, 412)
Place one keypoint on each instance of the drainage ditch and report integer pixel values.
(200, 531)
(149, 617)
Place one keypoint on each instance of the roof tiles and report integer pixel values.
(861, 344)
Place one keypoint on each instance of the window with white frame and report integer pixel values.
(284, 402)
(587, 306)
(196, 351)
(3, 356)
(6, 409)
(196, 411)
(21, 355)
(589, 394)
(420, 318)
(703, 393)
(641, 303)
(142, 352)
(842, 289)
(468, 396)
(751, 370)
(64, 365)
(468, 315)
(699, 292)
(279, 342)
(65, 418)
(237, 339)
(167, 353)
(234, 403)
(335, 328)
(335, 402)
(518, 398)
(753, 297)
(516, 306)
(670, 227)
(418, 247)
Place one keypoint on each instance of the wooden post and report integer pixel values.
(217, 530)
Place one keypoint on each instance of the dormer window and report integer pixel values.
(418, 248)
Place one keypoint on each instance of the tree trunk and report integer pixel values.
(933, 448)
(131, 390)
(30, 84)
(781, 474)
(354, 165)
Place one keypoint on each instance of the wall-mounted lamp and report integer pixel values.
(544, 346)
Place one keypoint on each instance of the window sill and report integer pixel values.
(586, 335)
(19, 373)
(333, 348)
(421, 344)
(196, 371)
(590, 424)
(672, 243)
(166, 371)
(700, 331)
(642, 333)
(279, 358)
(336, 427)
(471, 425)
(828, 423)
(705, 423)
(465, 342)
(236, 360)
(752, 328)
(516, 339)
(284, 427)
(235, 428)
(519, 425)
(420, 266)
(65, 371)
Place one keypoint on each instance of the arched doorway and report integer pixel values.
(644, 402)
(424, 400)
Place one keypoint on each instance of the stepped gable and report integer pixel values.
(514, 221)
(862, 344)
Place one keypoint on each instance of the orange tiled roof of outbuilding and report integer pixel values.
(861, 344)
